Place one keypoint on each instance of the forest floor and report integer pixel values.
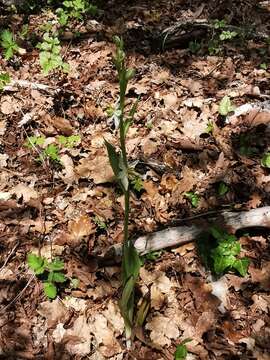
(71, 208)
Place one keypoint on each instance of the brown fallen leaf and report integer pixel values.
(61, 124)
(80, 227)
(162, 330)
(69, 175)
(24, 191)
(53, 311)
(99, 169)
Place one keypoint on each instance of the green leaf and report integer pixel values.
(57, 277)
(225, 106)
(217, 233)
(241, 265)
(222, 263)
(266, 160)
(194, 198)
(153, 255)
(227, 35)
(113, 157)
(50, 290)
(129, 74)
(36, 263)
(56, 265)
(52, 152)
(131, 262)
(222, 188)
(181, 350)
(4, 80)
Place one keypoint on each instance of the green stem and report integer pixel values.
(126, 240)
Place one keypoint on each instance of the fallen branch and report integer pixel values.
(179, 235)
(15, 85)
(182, 32)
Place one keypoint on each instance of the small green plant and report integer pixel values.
(219, 24)
(4, 80)
(181, 350)
(210, 127)
(50, 55)
(33, 141)
(220, 251)
(266, 160)
(131, 262)
(100, 223)
(225, 106)
(9, 44)
(193, 198)
(51, 273)
(227, 35)
(219, 36)
(263, 66)
(223, 188)
(194, 47)
(153, 255)
(75, 9)
(69, 141)
(51, 151)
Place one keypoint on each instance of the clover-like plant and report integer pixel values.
(131, 262)
(51, 272)
(220, 252)
(4, 80)
(8, 43)
(50, 54)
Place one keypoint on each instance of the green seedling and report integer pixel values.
(194, 47)
(51, 151)
(263, 66)
(75, 9)
(69, 141)
(219, 24)
(4, 80)
(193, 198)
(223, 188)
(100, 223)
(181, 350)
(220, 252)
(131, 262)
(9, 44)
(51, 273)
(50, 55)
(225, 106)
(210, 127)
(227, 35)
(33, 141)
(153, 255)
(266, 160)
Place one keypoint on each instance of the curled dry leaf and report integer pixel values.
(3, 160)
(80, 227)
(98, 169)
(108, 345)
(78, 338)
(24, 191)
(61, 124)
(69, 175)
(162, 330)
(53, 311)
(9, 105)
